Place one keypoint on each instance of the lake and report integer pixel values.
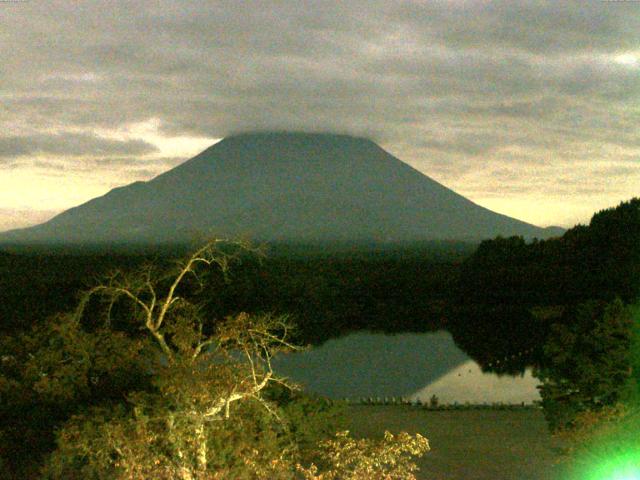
(410, 365)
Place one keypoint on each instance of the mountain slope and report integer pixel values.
(281, 186)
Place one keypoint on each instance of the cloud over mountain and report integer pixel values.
(70, 145)
(279, 186)
(457, 89)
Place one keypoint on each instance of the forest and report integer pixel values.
(569, 302)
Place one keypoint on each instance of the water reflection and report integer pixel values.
(415, 365)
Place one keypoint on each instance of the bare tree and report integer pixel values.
(209, 383)
(203, 374)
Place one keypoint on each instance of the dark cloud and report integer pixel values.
(465, 144)
(123, 168)
(226, 66)
(449, 85)
(70, 144)
(536, 26)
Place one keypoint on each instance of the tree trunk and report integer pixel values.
(201, 455)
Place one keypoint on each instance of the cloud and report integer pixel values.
(451, 86)
(535, 26)
(70, 144)
(215, 68)
(10, 218)
(116, 170)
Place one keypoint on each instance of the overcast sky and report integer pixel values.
(530, 108)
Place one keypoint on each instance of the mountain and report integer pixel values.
(280, 187)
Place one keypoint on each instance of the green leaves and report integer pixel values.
(180, 396)
(346, 458)
(588, 361)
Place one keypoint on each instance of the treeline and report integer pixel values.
(36, 285)
(575, 300)
(326, 292)
(598, 261)
(510, 292)
(561, 305)
(498, 299)
(137, 381)
(328, 297)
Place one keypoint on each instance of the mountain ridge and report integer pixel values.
(279, 186)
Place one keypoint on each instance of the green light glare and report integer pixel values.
(616, 467)
(613, 453)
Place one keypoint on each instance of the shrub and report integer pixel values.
(204, 403)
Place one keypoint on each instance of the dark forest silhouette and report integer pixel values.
(506, 302)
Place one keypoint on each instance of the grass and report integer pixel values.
(468, 445)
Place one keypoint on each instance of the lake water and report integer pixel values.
(410, 365)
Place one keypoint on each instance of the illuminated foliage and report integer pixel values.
(202, 401)
(345, 458)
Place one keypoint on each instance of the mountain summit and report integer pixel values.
(280, 187)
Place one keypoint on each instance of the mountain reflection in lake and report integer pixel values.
(412, 365)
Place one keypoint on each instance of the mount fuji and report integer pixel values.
(280, 186)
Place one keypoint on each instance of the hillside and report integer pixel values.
(281, 187)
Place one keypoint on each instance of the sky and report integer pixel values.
(529, 108)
